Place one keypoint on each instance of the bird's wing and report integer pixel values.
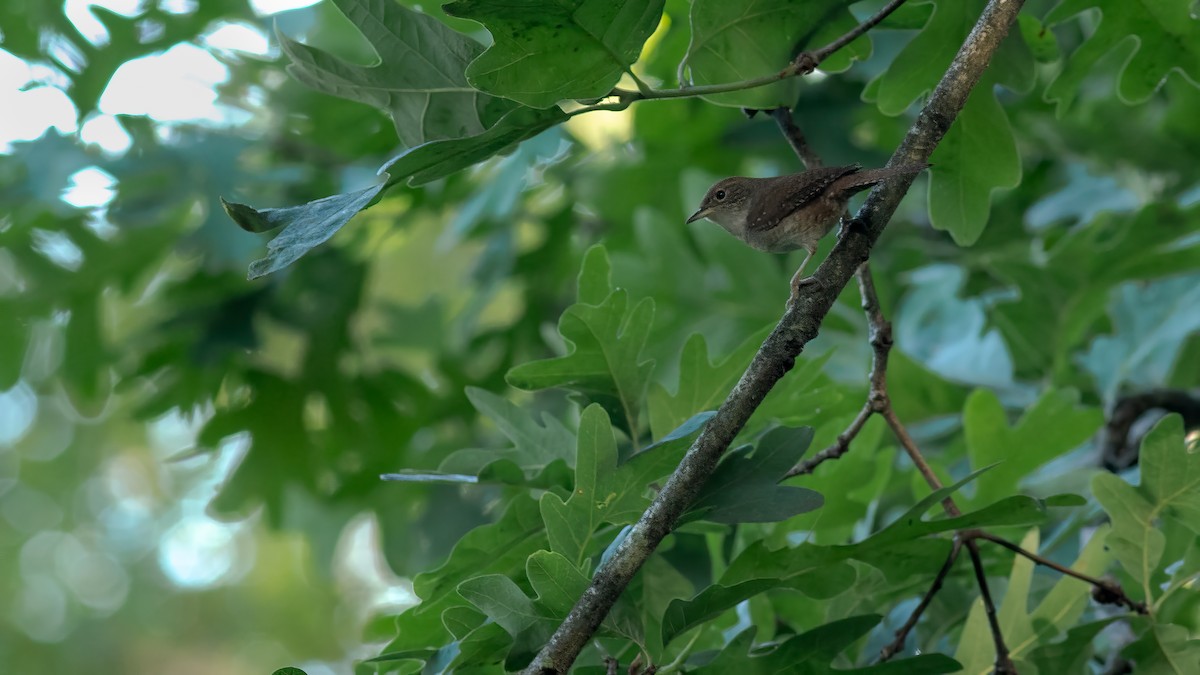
(788, 194)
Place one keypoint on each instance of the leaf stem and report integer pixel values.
(683, 654)
(791, 70)
(1172, 588)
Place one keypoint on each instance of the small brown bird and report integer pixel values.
(790, 212)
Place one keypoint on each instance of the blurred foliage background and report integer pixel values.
(190, 461)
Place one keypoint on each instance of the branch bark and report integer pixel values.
(777, 356)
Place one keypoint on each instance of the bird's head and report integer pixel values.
(725, 203)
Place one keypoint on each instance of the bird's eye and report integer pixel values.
(720, 194)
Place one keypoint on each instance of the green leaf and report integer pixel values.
(570, 525)
(899, 551)
(605, 493)
(1151, 323)
(559, 585)
(460, 621)
(1170, 488)
(309, 225)
(438, 159)
(1071, 654)
(687, 428)
(496, 548)
(1052, 426)
(659, 584)
(1062, 296)
(85, 378)
(813, 653)
(418, 79)
(410, 661)
(1171, 471)
(629, 485)
(1165, 649)
(857, 478)
(486, 644)
(1166, 39)
(703, 385)
(804, 394)
(413, 476)
(499, 547)
(606, 338)
(977, 155)
(744, 488)
(1043, 44)
(557, 582)
(305, 227)
(918, 393)
(945, 329)
(502, 601)
(919, 66)
(537, 445)
(735, 41)
(908, 16)
(545, 52)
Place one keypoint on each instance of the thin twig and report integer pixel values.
(914, 453)
(805, 63)
(1110, 587)
(840, 446)
(825, 52)
(795, 137)
(1004, 664)
(879, 333)
(895, 646)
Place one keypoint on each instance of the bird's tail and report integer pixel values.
(861, 180)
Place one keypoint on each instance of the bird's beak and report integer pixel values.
(702, 213)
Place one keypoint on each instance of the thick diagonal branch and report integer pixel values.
(880, 332)
(778, 353)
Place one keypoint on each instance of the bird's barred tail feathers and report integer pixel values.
(861, 180)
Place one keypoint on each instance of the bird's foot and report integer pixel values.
(798, 284)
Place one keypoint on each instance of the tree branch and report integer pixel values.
(880, 333)
(777, 356)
